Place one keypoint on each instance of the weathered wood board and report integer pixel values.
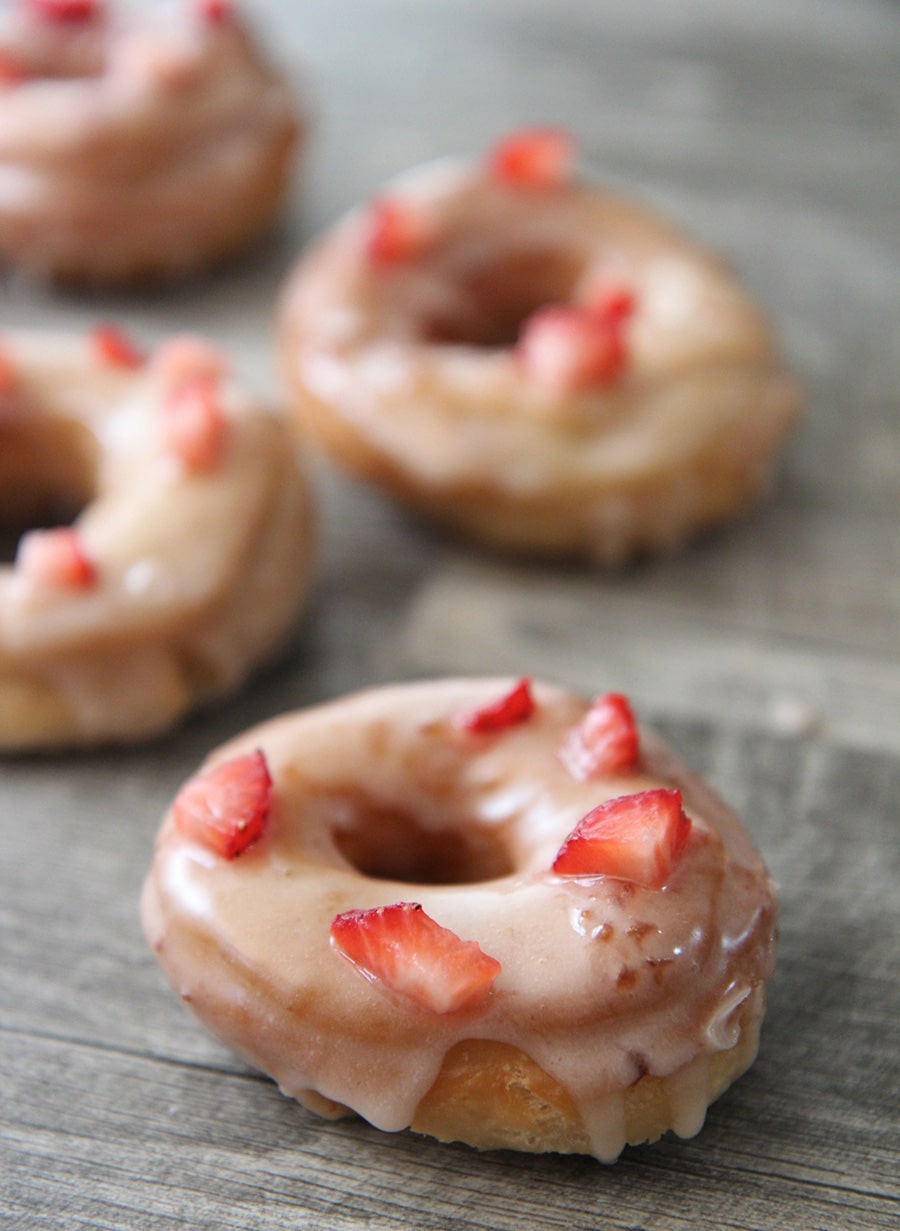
(769, 652)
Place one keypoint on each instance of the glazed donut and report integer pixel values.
(494, 914)
(533, 362)
(136, 148)
(189, 551)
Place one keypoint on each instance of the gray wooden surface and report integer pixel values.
(768, 652)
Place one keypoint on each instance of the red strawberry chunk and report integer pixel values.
(516, 706)
(55, 558)
(604, 742)
(568, 349)
(193, 425)
(636, 838)
(114, 349)
(216, 12)
(404, 949)
(394, 232)
(225, 808)
(66, 10)
(534, 158)
(11, 71)
(615, 305)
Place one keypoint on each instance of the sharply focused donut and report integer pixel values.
(534, 362)
(190, 549)
(494, 915)
(136, 147)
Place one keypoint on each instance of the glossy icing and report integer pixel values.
(199, 574)
(601, 981)
(131, 132)
(404, 374)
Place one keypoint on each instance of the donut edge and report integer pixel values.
(491, 1095)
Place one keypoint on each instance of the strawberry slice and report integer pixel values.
(66, 10)
(635, 838)
(567, 349)
(225, 808)
(114, 349)
(215, 12)
(394, 233)
(193, 425)
(404, 949)
(605, 741)
(615, 305)
(186, 357)
(55, 558)
(11, 71)
(534, 158)
(517, 706)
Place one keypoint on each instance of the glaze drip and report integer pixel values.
(603, 984)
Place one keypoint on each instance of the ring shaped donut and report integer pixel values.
(533, 361)
(189, 547)
(402, 913)
(136, 146)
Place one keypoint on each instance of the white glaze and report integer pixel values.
(600, 981)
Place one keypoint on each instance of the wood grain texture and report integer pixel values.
(769, 653)
(120, 1112)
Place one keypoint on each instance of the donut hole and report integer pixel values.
(495, 297)
(388, 844)
(48, 476)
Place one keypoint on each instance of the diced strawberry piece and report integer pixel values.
(403, 948)
(225, 808)
(55, 558)
(66, 10)
(605, 741)
(216, 12)
(394, 232)
(567, 349)
(114, 349)
(635, 838)
(534, 158)
(193, 425)
(613, 304)
(11, 71)
(517, 706)
(186, 357)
